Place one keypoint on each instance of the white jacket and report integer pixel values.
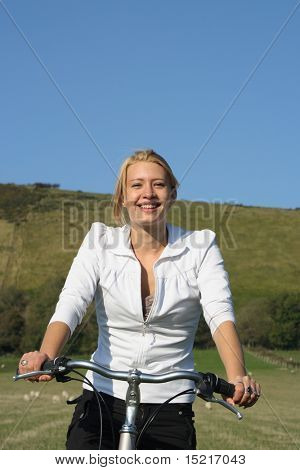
(189, 271)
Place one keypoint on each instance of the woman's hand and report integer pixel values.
(32, 361)
(247, 392)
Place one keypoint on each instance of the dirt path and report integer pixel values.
(272, 358)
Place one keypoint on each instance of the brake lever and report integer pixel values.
(204, 389)
(31, 374)
(213, 399)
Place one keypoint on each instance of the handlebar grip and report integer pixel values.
(58, 366)
(48, 365)
(225, 388)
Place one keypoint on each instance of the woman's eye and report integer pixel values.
(137, 185)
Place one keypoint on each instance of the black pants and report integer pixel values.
(172, 428)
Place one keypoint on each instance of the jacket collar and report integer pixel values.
(119, 242)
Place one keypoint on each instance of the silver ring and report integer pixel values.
(24, 362)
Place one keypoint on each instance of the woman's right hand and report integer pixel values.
(32, 361)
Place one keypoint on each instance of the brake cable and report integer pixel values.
(98, 397)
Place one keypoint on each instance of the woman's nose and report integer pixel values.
(149, 191)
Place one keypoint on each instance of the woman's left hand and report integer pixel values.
(247, 392)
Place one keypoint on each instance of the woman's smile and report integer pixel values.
(149, 207)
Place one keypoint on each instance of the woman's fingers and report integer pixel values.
(32, 361)
(44, 378)
(255, 389)
(239, 392)
(247, 391)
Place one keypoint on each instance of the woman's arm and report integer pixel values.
(230, 350)
(216, 301)
(56, 336)
(231, 353)
(77, 293)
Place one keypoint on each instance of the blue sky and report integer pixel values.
(161, 74)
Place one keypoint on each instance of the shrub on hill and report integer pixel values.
(254, 323)
(13, 305)
(285, 313)
(272, 323)
(203, 339)
(46, 185)
(40, 309)
(16, 202)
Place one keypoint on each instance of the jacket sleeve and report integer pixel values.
(213, 282)
(81, 282)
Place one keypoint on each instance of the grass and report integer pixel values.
(273, 423)
(30, 422)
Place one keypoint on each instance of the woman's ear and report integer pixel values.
(173, 195)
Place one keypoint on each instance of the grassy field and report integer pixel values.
(35, 416)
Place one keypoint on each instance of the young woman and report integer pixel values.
(148, 279)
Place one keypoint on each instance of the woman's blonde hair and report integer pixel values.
(147, 155)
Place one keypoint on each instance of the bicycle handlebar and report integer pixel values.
(206, 383)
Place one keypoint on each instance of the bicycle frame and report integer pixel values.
(128, 432)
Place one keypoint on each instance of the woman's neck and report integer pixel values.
(149, 240)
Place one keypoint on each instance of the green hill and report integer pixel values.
(41, 229)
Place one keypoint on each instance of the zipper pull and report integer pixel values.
(153, 339)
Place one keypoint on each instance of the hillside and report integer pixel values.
(42, 228)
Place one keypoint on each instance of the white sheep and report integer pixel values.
(55, 399)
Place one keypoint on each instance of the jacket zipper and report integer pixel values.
(153, 304)
(140, 354)
(146, 323)
(141, 358)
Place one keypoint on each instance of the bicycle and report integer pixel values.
(205, 386)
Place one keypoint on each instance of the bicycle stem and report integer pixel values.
(128, 432)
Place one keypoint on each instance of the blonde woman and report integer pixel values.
(148, 279)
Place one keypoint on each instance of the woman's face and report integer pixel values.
(148, 193)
